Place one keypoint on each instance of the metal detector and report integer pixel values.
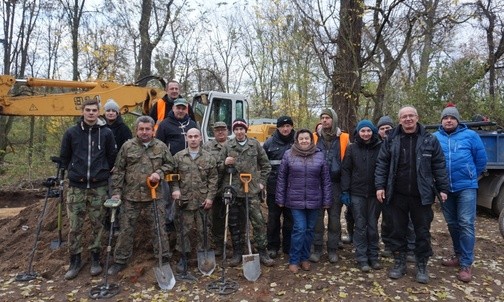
(57, 243)
(50, 184)
(225, 286)
(106, 290)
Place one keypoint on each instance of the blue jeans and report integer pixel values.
(459, 211)
(302, 234)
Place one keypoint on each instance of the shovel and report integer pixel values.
(251, 262)
(206, 258)
(164, 273)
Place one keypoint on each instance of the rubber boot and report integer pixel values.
(180, 265)
(265, 258)
(399, 268)
(96, 268)
(333, 255)
(315, 255)
(422, 276)
(75, 267)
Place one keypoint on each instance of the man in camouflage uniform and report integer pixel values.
(194, 192)
(215, 146)
(87, 151)
(139, 159)
(247, 156)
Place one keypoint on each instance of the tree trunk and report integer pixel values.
(346, 80)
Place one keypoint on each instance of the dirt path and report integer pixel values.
(325, 282)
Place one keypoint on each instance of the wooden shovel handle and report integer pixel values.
(245, 179)
(152, 188)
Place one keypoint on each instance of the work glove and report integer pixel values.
(345, 199)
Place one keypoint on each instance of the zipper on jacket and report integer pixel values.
(90, 146)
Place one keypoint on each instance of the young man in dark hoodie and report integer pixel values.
(88, 151)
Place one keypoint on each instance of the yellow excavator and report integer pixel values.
(46, 97)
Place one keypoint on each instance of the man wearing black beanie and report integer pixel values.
(275, 147)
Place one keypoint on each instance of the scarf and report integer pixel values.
(297, 151)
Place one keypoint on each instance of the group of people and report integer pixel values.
(395, 171)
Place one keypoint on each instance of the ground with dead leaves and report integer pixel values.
(325, 282)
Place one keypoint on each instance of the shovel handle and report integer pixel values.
(172, 177)
(245, 179)
(152, 188)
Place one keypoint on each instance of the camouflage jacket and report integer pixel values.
(198, 177)
(215, 149)
(250, 158)
(134, 163)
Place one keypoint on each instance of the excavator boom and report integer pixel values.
(130, 97)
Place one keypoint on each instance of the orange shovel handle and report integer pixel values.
(152, 188)
(245, 179)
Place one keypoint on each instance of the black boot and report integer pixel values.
(422, 276)
(265, 258)
(181, 265)
(96, 268)
(317, 252)
(399, 268)
(75, 267)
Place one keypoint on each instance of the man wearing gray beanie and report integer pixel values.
(384, 124)
(332, 141)
(465, 161)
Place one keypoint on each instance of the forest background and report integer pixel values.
(295, 57)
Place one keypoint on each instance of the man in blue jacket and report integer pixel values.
(410, 170)
(465, 160)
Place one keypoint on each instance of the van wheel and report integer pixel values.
(498, 202)
(501, 223)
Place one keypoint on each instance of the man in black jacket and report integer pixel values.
(275, 147)
(410, 172)
(88, 151)
(173, 128)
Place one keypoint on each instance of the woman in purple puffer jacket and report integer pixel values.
(304, 186)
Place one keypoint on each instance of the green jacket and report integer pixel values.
(198, 177)
(134, 163)
(250, 158)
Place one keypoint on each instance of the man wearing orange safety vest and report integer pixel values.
(333, 142)
(160, 109)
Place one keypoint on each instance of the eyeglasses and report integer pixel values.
(407, 116)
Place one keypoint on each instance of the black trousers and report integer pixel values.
(402, 207)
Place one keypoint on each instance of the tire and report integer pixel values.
(498, 202)
(501, 223)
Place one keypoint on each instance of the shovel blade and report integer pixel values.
(56, 244)
(206, 262)
(251, 267)
(165, 277)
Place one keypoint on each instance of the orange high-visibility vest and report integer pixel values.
(161, 108)
(344, 140)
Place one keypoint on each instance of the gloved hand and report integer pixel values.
(345, 199)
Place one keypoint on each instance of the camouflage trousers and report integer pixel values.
(256, 220)
(191, 220)
(80, 202)
(130, 211)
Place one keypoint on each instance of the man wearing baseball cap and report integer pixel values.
(275, 147)
(215, 146)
